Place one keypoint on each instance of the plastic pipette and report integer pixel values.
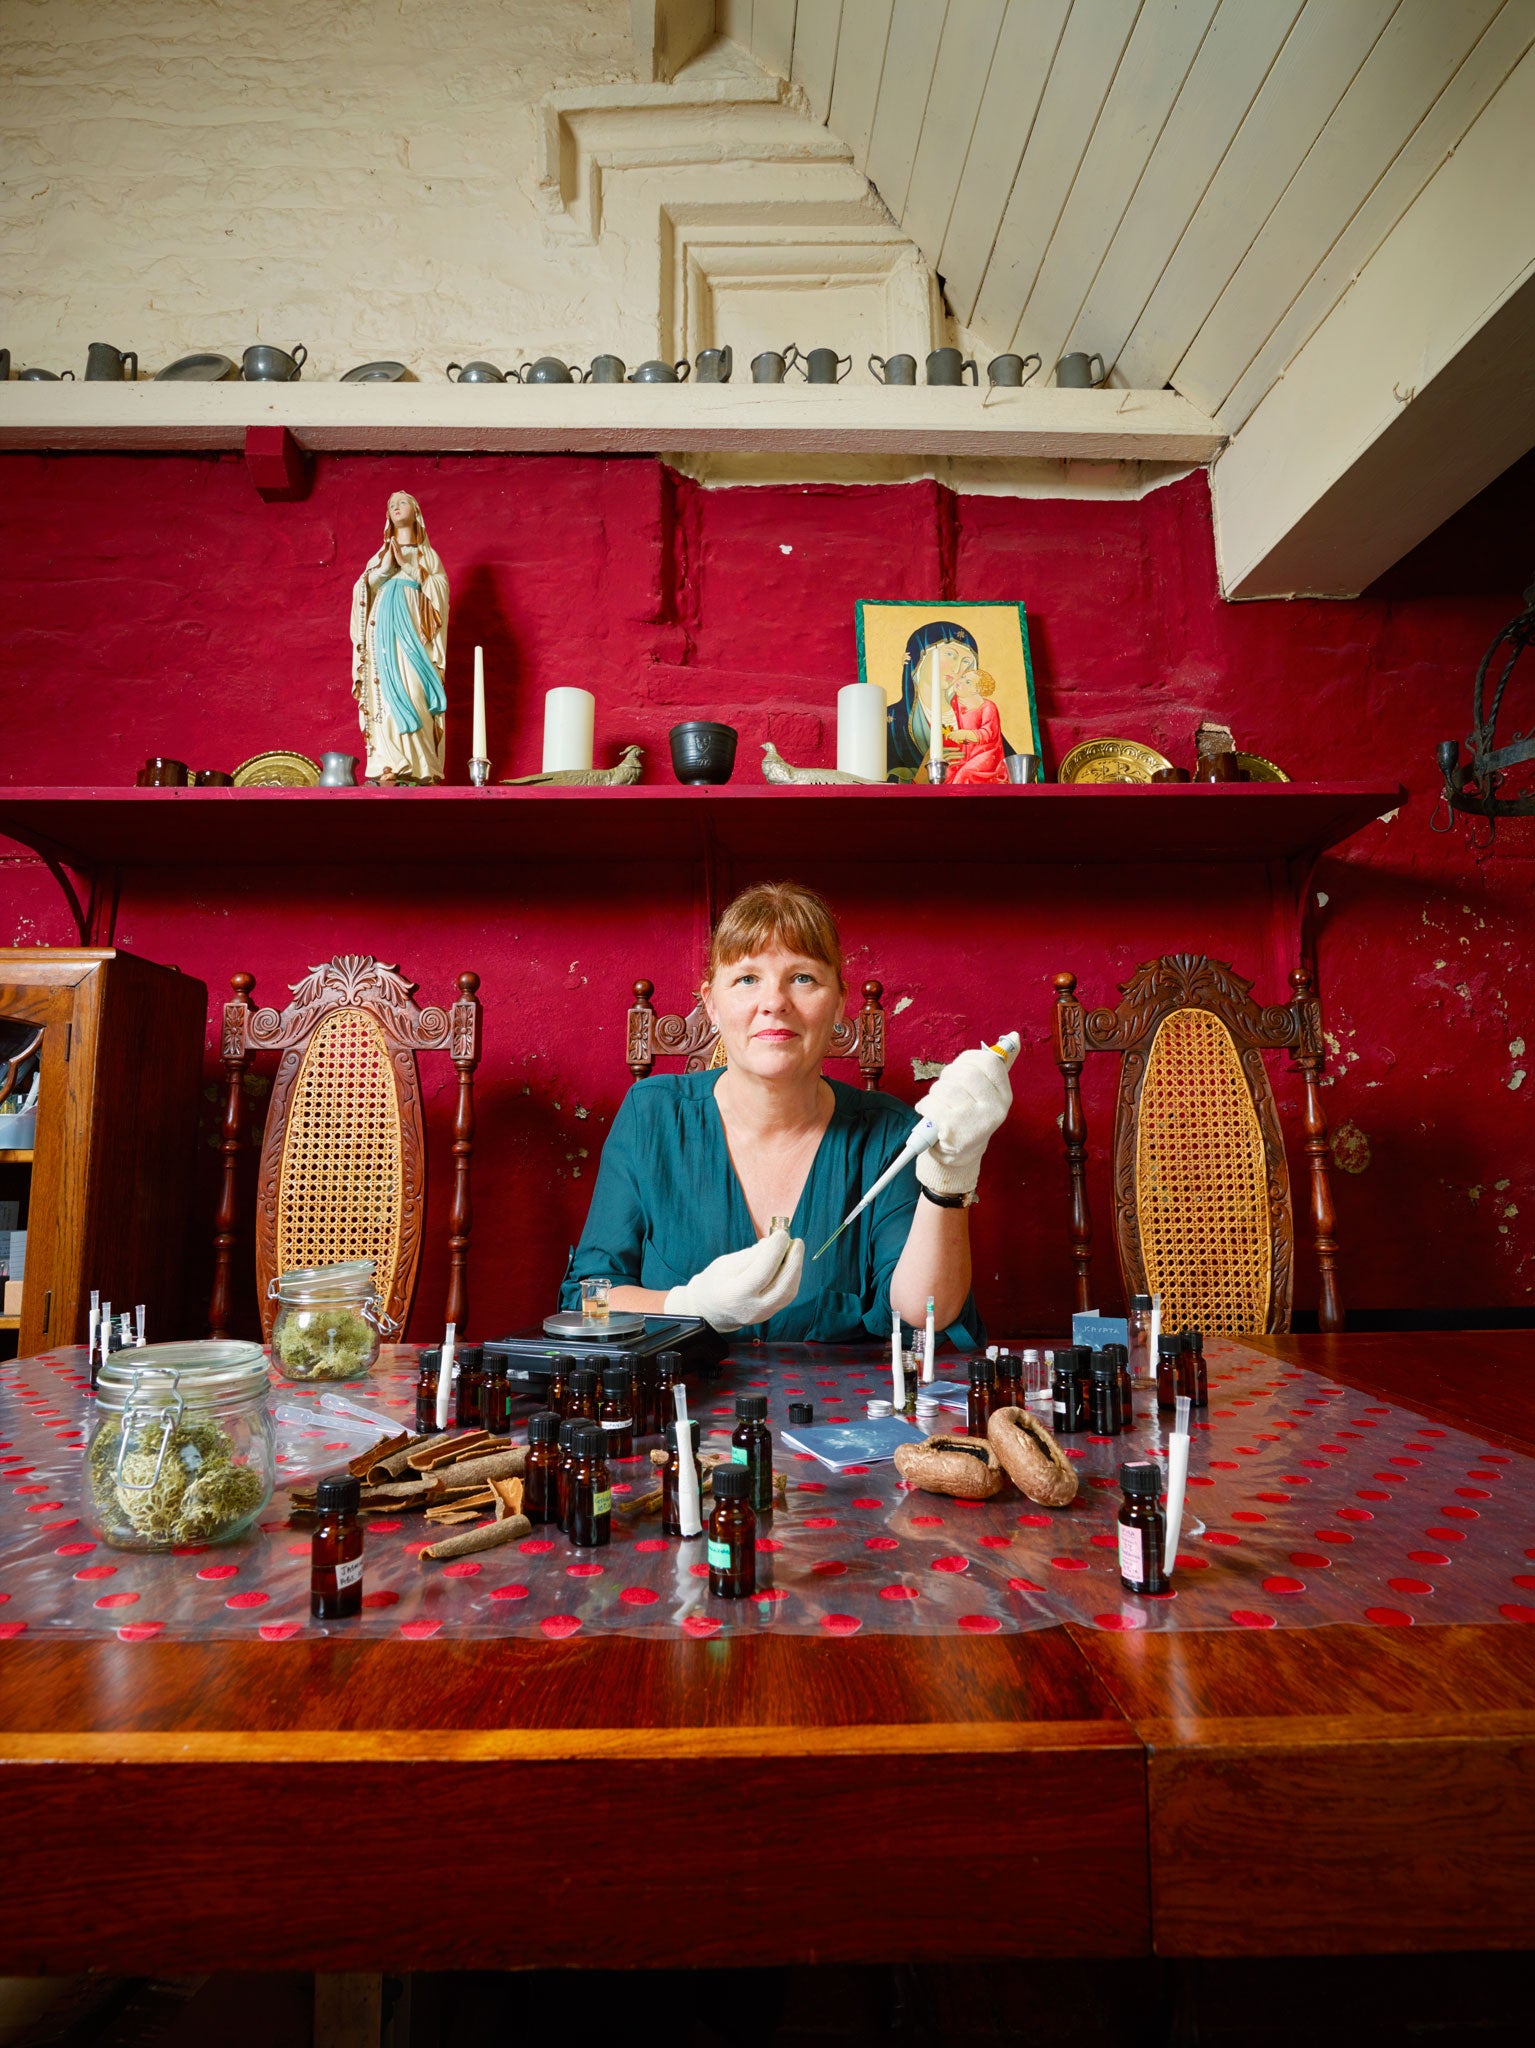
(1177, 1479)
(689, 1503)
(924, 1136)
(445, 1376)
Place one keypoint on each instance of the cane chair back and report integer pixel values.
(1202, 1206)
(694, 1041)
(342, 1172)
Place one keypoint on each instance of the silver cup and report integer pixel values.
(894, 369)
(1075, 372)
(825, 366)
(948, 366)
(771, 366)
(1022, 768)
(107, 365)
(264, 365)
(1010, 370)
(607, 370)
(715, 366)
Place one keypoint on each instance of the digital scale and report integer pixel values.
(530, 1354)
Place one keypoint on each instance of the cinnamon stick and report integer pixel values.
(487, 1537)
(446, 1450)
(502, 1464)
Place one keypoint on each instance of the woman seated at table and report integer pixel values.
(696, 1166)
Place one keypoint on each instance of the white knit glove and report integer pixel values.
(969, 1100)
(743, 1287)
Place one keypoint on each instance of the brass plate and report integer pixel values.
(1111, 761)
(1259, 770)
(278, 770)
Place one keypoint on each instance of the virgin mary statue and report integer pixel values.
(400, 650)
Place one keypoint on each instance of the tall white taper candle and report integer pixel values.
(478, 751)
(935, 726)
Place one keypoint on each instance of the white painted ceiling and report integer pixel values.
(1187, 187)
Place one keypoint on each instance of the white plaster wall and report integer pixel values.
(359, 175)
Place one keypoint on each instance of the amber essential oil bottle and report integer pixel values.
(732, 1535)
(1169, 1355)
(1195, 1382)
(1108, 1418)
(335, 1551)
(565, 1443)
(496, 1399)
(1066, 1396)
(982, 1396)
(541, 1476)
(1142, 1529)
(466, 1390)
(1120, 1353)
(617, 1413)
(591, 1496)
(1010, 1387)
(581, 1402)
(557, 1393)
(671, 1512)
(426, 1390)
(668, 1374)
(751, 1445)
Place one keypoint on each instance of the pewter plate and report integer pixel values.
(376, 373)
(570, 1322)
(197, 370)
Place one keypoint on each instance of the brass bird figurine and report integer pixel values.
(776, 769)
(630, 762)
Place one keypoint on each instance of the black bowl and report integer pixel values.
(703, 751)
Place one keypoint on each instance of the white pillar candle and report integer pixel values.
(569, 717)
(927, 1345)
(897, 1367)
(935, 726)
(478, 752)
(861, 731)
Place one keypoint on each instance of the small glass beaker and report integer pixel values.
(779, 1223)
(594, 1300)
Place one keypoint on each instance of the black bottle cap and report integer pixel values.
(1120, 1353)
(751, 1407)
(567, 1433)
(583, 1380)
(983, 1373)
(591, 1440)
(802, 1412)
(1141, 1478)
(1104, 1367)
(1077, 1356)
(1169, 1347)
(341, 1496)
(544, 1427)
(670, 1362)
(497, 1368)
(1196, 1339)
(1141, 1303)
(615, 1379)
(671, 1436)
(731, 1482)
(566, 1362)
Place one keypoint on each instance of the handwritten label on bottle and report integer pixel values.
(719, 1556)
(1132, 1554)
(602, 1503)
(348, 1573)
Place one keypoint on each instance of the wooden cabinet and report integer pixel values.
(104, 1196)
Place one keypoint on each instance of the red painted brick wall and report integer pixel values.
(158, 606)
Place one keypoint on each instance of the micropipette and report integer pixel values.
(921, 1139)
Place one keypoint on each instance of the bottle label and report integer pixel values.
(719, 1556)
(602, 1503)
(1132, 1554)
(348, 1573)
(739, 1455)
(1060, 1407)
(623, 1422)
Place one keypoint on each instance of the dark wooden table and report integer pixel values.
(443, 1805)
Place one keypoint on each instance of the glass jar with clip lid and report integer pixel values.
(329, 1321)
(181, 1447)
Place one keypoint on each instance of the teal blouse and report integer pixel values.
(667, 1202)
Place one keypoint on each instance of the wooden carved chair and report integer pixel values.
(343, 1167)
(1201, 1189)
(694, 1040)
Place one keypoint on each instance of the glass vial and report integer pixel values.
(1066, 1396)
(496, 1399)
(732, 1535)
(671, 1513)
(1169, 1372)
(335, 1551)
(1142, 1529)
(751, 1445)
(541, 1476)
(1143, 1367)
(591, 1497)
(581, 1401)
(617, 1412)
(983, 1395)
(1108, 1416)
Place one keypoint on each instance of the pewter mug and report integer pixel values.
(5, 366)
(475, 373)
(894, 369)
(662, 373)
(606, 370)
(45, 376)
(948, 366)
(338, 771)
(1075, 372)
(107, 365)
(774, 365)
(715, 365)
(549, 370)
(264, 365)
(1010, 369)
(825, 366)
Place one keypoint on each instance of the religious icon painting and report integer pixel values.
(965, 665)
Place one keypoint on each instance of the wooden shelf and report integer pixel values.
(624, 419)
(10, 1322)
(1094, 824)
(15, 1158)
